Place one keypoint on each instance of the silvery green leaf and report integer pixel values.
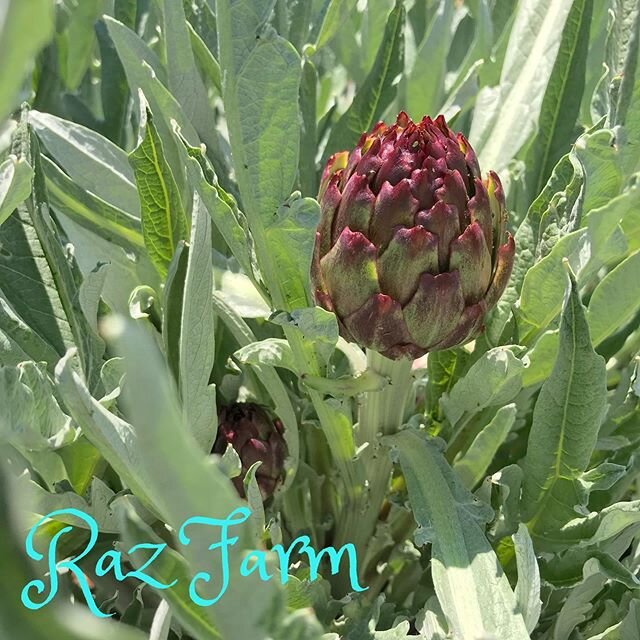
(169, 566)
(93, 162)
(15, 185)
(240, 293)
(475, 595)
(197, 331)
(493, 380)
(161, 625)
(528, 586)
(41, 502)
(501, 128)
(314, 323)
(615, 300)
(30, 416)
(430, 621)
(58, 619)
(90, 292)
(472, 466)
(230, 463)
(274, 352)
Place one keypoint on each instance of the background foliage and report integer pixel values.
(157, 216)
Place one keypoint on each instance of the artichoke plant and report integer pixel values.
(255, 437)
(411, 250)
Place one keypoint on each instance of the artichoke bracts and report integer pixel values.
(410, 252)
(255, 436)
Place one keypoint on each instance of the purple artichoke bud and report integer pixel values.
(255, 436)
(411, 250)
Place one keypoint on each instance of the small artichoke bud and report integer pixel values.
(411, 250)
(255, 436)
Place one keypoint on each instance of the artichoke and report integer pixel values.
(255, 436)
(411, 249)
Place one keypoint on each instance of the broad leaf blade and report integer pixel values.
(543, 287)
(290, 234)
(262, 77)
(566, 421)
(184, 82)
(76, 44)
(472, 589)
(474, 463)
(152, 82)
(222, 208)
(492, 380)
(527, 239)
(36, 221)
(509, 115)
(177, 472)
(93, 162)
(187, 87)
(169, 566)
(23, 339)
(163, 219)
(26, 280)
(528, 587)
(90, 211)
(615, 300)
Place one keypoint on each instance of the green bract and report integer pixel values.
(410, 251)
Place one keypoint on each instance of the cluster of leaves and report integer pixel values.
(157, 217)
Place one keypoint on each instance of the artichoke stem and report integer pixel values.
(380, 413)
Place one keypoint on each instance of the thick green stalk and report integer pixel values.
(380, 413)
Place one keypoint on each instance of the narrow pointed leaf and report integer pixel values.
(561, 103)
(184, 82)
(424, 87)
(378, 89)
(197, 331)
(528, 586)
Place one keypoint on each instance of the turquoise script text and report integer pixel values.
(253, 562)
